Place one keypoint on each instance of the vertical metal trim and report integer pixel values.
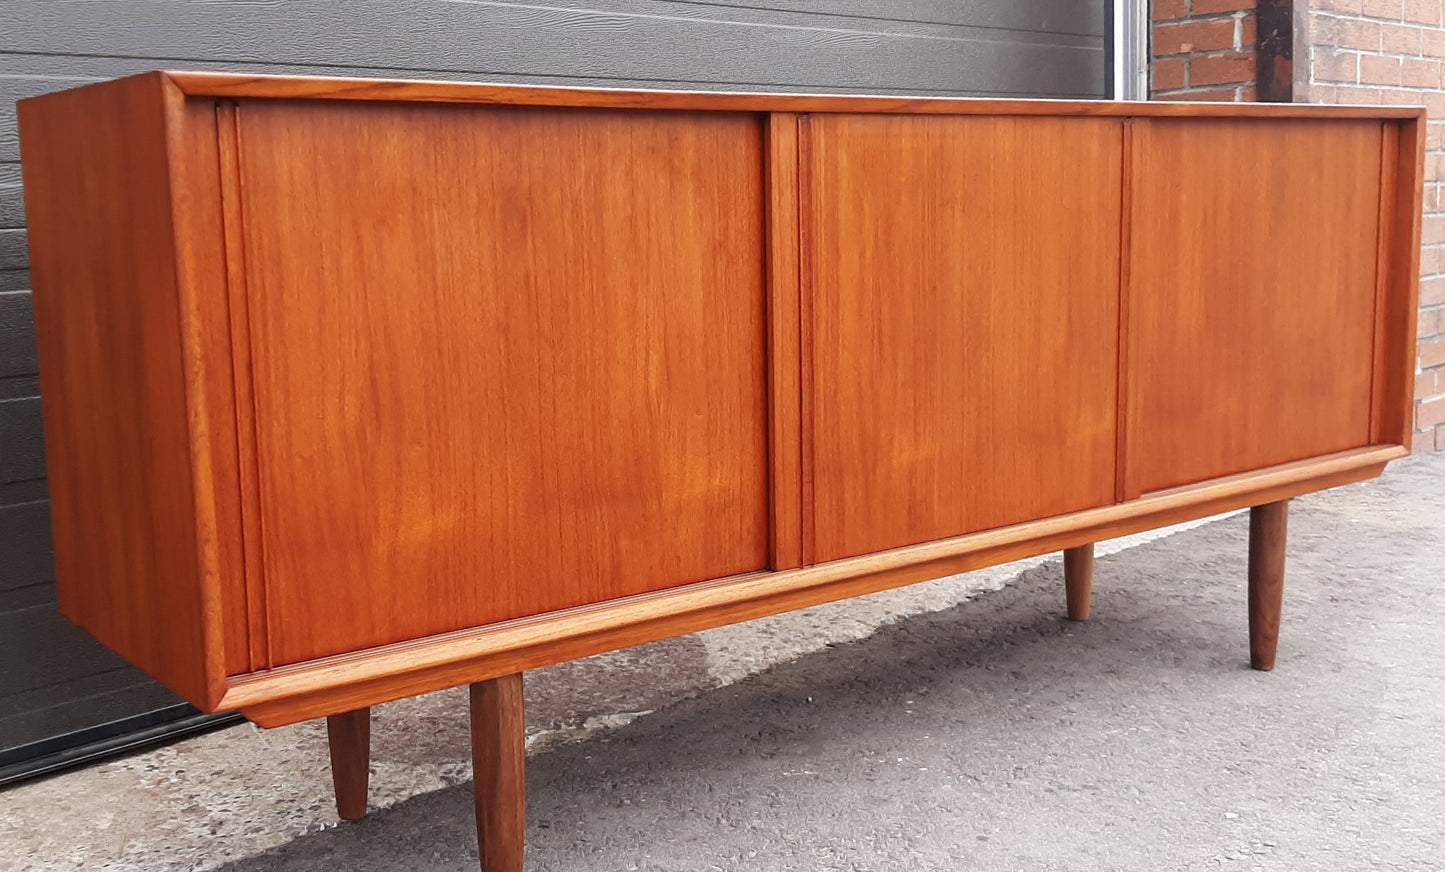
(1130, 34)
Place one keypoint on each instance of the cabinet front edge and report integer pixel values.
(351, 681)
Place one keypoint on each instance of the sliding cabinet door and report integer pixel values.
(1253, 294)
(537, 381)
(963, 277)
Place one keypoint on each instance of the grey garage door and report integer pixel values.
(57, 687)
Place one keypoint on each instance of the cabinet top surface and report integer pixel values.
(210, 84)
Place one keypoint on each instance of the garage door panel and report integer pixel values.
(642, 42)
(1050, 16)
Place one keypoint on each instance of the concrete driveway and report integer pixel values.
(960, 724)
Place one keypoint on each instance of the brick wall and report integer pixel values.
(1203, 50)
(1393, 52)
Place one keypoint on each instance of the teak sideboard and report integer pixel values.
(359, 389)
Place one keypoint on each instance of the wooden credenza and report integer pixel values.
(355, 390)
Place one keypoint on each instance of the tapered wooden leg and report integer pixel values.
(350, 737)
(499, 772)
(1079, 580)
(1267, 533)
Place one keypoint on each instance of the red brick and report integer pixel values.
(1432, 230)
(1430, 414)
(1432, 291)
(1375, 70)
(1323, 94)
(1440, 438)
(1424, 443)
(1222, 69)
(1211, 7)
(1434, 102)
(1420, 73)
(1432, 353)
(1434, 42)
(1324, 29)
(1332, 65)
(1351, 7)
(1383, 9)
(1431, 264)
(1433, 137)
(1169, 74)
(1423, 11)
(1402, 38)
(1400, 97)
(1168, 10)
(1193, 36)
(1435, 169)
(1362, 35)
(1430, 323)
(1427, 384)
(1222, 95)
(1358, 95)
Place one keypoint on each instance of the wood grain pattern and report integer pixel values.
(785, 442)
(295, 693)
(1399, 285)
(348, 737)
(245, 468)
(1268, 534)
(1246, 352)
(540, 384)
(956, 338)
(366, 90)
(499, 777)
(203, 263)
(103, 251)
(1079, 580)
(510, 385)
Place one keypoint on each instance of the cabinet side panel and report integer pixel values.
(966, 324)
(97, 196)
(1253, 288)
(506, 361)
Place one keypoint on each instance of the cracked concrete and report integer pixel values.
(960, 724)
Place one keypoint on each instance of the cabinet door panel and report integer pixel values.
(1252, 298)
(506, 361)
(965, 277)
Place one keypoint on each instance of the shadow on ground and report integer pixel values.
(996, 735)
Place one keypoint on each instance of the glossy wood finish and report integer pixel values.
(1079, 580)
(103, 251)
(499, 778)
(785, 344)
(438, 383)
(1268, 529)
(1403, 162)
(292, 694)
(955, 337)
(1246, 352)
(235, 85)
(540, 384)
(349, 736)
(204, 264)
